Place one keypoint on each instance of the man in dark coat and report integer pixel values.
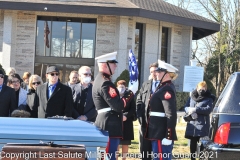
(53, 98)
(8, 101)
(108, 102)
(84, 108)
(142, 101)
(162, 117)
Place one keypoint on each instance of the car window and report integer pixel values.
(229, 101)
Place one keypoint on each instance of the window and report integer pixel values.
(65, 37)
(164, 45)
(66, 42)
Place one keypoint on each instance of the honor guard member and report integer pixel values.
(163, 115)
(108, 102)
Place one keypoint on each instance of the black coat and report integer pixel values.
(200, 126)
(60, 103)
(142, 102)
(163, 100)
(5, 79)
(89, 109)
(30, 103)
(8, 101)
(129, 112)
(105, 95)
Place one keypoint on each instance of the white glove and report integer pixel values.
(186, 109)
(191, 110)
(166, 142)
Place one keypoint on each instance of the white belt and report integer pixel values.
(103, 110)
(158, 114)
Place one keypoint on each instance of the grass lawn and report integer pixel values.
(180, 146)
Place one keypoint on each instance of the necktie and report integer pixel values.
(155, 85)
(0, 88)
(50, 90)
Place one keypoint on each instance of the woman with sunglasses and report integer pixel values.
(34, 82)
(14, 82)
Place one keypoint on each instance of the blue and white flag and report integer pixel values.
(133, 72)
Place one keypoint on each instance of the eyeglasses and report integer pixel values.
(1, 76)
(52, 74)
(87, 74)
(15, 81)
(34, 83)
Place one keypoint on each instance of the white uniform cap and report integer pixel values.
(166, 67)
(109, 57)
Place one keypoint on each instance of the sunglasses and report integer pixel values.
(1, 76)
(52, 74)
(34, 83)
(87, 74)
(15, 81)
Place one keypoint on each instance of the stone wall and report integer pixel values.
(25, 42)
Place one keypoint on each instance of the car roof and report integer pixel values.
(229, 101)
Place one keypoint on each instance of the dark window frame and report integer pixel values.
(45, 60)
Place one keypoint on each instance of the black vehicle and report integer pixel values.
(224, 138)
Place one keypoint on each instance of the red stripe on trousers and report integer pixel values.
(108, 145)
(159, 149)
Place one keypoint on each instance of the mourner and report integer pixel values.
(53, 98)
(142, 101)
(199, 108)
(34, 82)
(73, 79)
(14, 81)
(108, 102)
(128, 117)
(9, 72)
(25, 78)
(8, 101)
(162, 107)
(84, 108)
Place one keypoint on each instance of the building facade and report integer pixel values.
(71, 34)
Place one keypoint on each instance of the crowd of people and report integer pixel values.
(110, 107)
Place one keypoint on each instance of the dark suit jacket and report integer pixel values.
(8, 101)
(89, 109)
(60, 103)
(142, 102)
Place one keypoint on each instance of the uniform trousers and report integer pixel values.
(112, 147)
(161, 152)
(144, 145)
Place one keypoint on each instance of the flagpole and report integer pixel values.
(45, 34)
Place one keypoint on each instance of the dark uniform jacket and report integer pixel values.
(89, 109)
(142, 102)
(106, 95)
(200, 126)
(164, 101)
(129, 112)
(60, 103)
(8, 101)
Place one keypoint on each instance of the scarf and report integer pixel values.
(199, 98)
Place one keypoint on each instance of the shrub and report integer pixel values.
(182, 98)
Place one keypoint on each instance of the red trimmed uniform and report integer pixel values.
(160, 127)
(105, 95)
